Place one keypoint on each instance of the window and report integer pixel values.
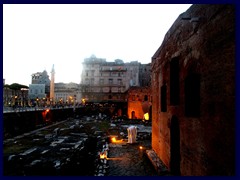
(87, 81)
(164, 98)
(192, 95)
(119, 81)
(145, 98)
(110, 81)
(174, 82)
(101, 81)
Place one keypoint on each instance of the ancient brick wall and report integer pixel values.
(136, 98)
(193, 75)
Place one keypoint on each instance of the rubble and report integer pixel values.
(69, 148)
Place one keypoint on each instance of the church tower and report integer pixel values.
(52, 96)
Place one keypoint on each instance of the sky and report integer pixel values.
(36, 36)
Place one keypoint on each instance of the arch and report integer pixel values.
(133, 114)
(192, 95)
(175, 146)
(146, 98)
(174, 81)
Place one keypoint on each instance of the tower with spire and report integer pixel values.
(52, 96)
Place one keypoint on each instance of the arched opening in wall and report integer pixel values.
(146, 98)
(192, 95)
(174, 81)
(133, 114)
(164, 98)
(175, 146)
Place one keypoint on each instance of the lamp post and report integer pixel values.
(37, 101)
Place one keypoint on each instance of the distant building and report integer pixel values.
(15, 97)
(67, 93)
(37, 91)
(108, 82)
(42, 78)
(145, 75)
(138, 98)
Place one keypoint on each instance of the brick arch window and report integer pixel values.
(192, 95)
(164, 98)
(174, 81)
(146, 98)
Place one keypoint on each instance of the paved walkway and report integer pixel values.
(129, 160)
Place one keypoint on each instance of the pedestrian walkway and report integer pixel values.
(126, 159)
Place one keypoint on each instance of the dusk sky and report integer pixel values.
(36, 36)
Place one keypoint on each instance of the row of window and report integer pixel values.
(115, 74)
(93, 97)
(101, 81)
(105, 90)
(137, 97)
(36, 91)
(191, 91)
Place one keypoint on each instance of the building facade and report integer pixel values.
(42, 78)
(67, 93)
(108, 82)
(145, 75)
(15, 98)
(36, 91)
(193, 88)
(139, 102)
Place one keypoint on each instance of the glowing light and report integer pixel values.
(103, 156)
(47, 110)
(140, 147)
(114, 139)
(146, 116)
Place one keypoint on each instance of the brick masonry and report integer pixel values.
(193, 107)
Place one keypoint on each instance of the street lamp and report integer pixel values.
(37, 101)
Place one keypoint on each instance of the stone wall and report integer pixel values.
(139, 102)
(193, 75)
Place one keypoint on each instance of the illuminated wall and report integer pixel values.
(136, 98)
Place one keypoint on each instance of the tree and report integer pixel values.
(16, 86)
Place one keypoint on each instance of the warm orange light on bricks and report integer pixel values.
(114, 139)
(146, 116)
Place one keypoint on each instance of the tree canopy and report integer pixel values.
(16, 86)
